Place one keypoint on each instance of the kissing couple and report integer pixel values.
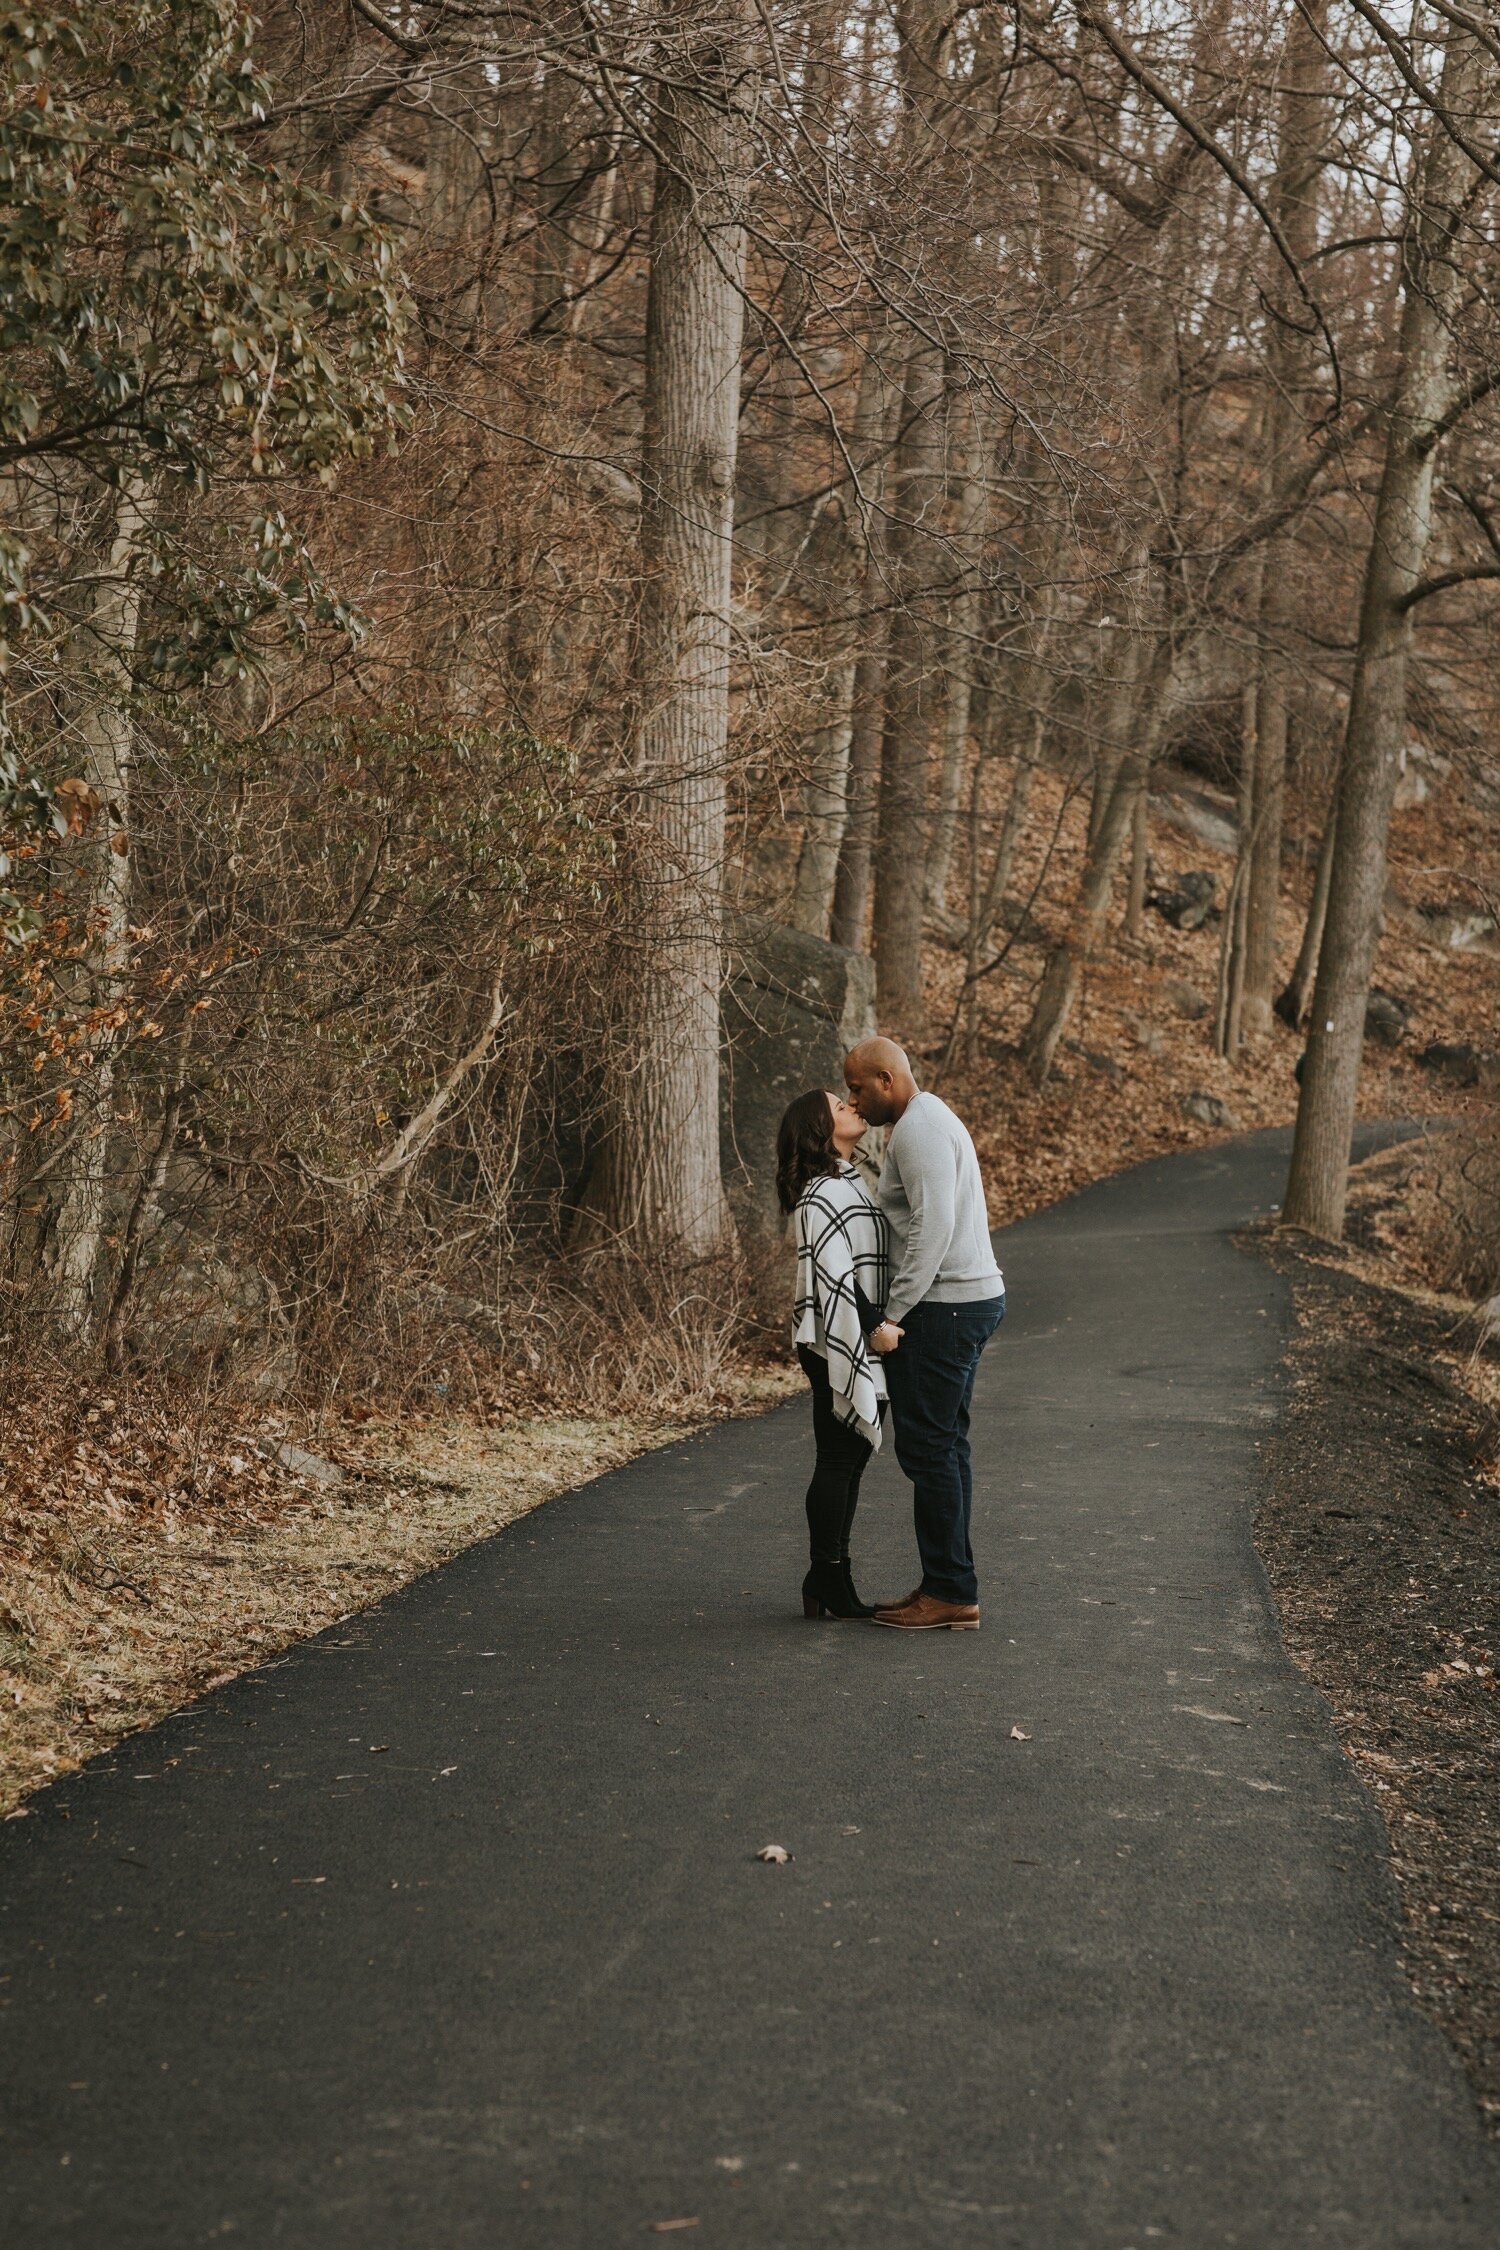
(898, 1293)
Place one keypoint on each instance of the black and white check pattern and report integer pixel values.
(843, 1250)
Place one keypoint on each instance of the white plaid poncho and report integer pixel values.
(842, 1239)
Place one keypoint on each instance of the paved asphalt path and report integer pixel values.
(447, 1929)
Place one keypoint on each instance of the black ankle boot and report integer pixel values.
(856, 1608)
(828, 1591)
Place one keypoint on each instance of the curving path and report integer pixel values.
(517, 1979)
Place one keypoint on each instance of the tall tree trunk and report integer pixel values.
(557, 171)
(1058, 991)
(1295, 195)
(1229, 1014)
(102, 653)
(1017, 805)
(452, 245)
(1426, 397)
(875, 413)
(962, 639)
(1117, 715)
(1028, 715)
(957, 688)
(1140, 855)
(851, 890)
(657, 1179)
(911, 698)
(914, 551)
(987, 891)
(1295, 998)
(825, 808)
(1267, 826)
(599, 223)
(457, 217)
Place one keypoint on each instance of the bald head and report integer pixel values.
(879, 1054)
(879, 1079)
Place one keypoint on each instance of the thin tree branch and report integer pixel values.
(1091, 14)
(414, 1136)
(1425, 588)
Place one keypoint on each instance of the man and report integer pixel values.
(947, 1298)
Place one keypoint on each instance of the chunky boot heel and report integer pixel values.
(816, 1589)
(828, 1591)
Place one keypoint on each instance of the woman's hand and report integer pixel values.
(886, 1337)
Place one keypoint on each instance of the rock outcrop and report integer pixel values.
(792, 1006)
(1187, 901)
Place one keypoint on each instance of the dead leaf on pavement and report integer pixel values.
(1017, 1736)
(671, 2226)
(777, 1855)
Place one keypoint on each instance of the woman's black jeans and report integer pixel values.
(833, 1495)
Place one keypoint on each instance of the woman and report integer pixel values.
(843, 1273)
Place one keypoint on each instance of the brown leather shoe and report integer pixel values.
(924, 1613)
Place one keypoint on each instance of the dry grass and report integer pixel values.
(1411, 1231)
(115, 1611)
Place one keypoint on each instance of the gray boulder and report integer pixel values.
(1199, 813)
(1185, 999)
(1105, 1065)
(1207, 1109)
(313, 1466)
(1458, 928)
(1187, 901)
(1462, 1063)
(1387, 1019)
(792, 1007)
(1420, 771)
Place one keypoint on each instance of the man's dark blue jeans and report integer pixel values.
(930, 1377)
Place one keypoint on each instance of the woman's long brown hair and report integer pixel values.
(804, 1147)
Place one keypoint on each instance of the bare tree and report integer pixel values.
(657, 1176)
(1302, 153)
(1432, 392)
(101, 659)
(912, 699)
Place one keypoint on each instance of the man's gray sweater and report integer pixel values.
(931, 1192)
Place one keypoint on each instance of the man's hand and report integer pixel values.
(886, 1337)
